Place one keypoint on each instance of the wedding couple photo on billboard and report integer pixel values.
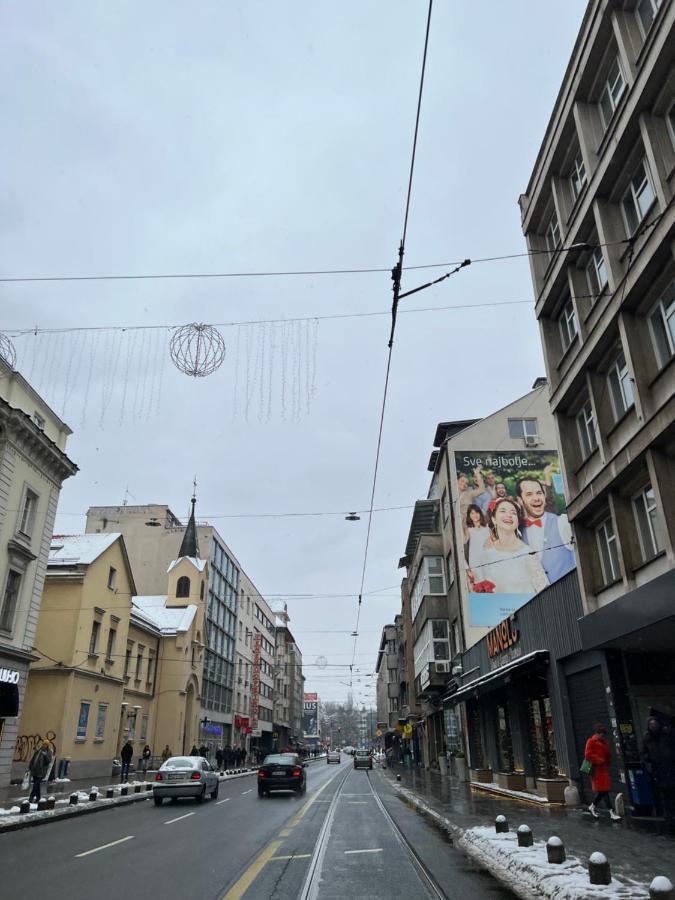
(517, 538)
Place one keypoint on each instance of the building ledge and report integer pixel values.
(646, 562)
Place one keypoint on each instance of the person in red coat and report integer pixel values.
(597, 753)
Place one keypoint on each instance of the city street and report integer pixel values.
(335, 842)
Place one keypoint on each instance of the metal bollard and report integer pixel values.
(598, 869)
(525, 836)
(661, 888)
(110, 793)
(74, 799)
(555, 850)
(137, 788)
(25, 807)
(93, 795)
(42, 804)
(124, 790)
(501, 825)
(398, 777)
(51, 802)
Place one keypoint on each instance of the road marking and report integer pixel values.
(292, 856)
(237, 891)
(247, 792)
(186, 816)
(285, 833)
(364, 802)
(218, 802)
(377, 850)
(129, 837)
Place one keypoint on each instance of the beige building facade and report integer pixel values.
(33, 467)
(289, 681)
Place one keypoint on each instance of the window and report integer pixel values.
(612, 92)
(28, 513)
(637, 199)
(10, 601)
(393, 704)
(568, 324)
(646, 11)
(93, 640)
(662, 324)
(127, 660)
(151, 667)
(445, 506)
(144, 727)
(456, 642)
(439, 634)
(522, 428)
(112, 634)
(596, 273)
(183, 586)
(620, 387)
(670, 118)
(552, 235)
(132, 726)
(83, 720)
(112, 578)
(577, 175)
(450, 570)
(100, 721)
(609, 557)
(139, 663)
(644, 508)
(586, 428)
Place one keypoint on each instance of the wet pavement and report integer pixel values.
(634, 849)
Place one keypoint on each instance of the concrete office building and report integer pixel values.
(33, 466)
(599, 219)
(289, 681)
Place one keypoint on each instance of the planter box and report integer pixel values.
(552, 788)
(512, 781)
(484, 776)
(461, 768)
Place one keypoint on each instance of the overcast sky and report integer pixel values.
(220, 137)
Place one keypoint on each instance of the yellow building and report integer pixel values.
(114, 666)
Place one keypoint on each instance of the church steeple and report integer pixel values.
(189, 546)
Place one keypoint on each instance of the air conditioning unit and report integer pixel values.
(441, 667)
(531, 440)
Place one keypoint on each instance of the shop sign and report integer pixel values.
(213, 728)
(10, 676)
(255, 694)
(503, 637)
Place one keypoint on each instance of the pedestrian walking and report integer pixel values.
(145, 758)
(126, 755)
(194, 751)
(219, 757)
(599, 755)
(204, 751)
(39, 766)
(658, 753)
(166, 753)
(243, 756)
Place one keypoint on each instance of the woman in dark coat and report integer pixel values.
(597, 753)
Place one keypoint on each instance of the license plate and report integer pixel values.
(176, 776)
(278, 771)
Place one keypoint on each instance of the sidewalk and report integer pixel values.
(633, 854)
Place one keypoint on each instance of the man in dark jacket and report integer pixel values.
(219, 757)
(204, 751)
(658, 752)
(39, 766)
(126, 755)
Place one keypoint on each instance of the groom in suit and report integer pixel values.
(547, 533)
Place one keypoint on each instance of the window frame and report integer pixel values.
(81, 730)
(7, 611)
(94, 637)
(29, 508)
(112, 578)
(101, 715)
(593, 268)
(552, 235)
(567, 316)
(664, 342)
(609, 91)
(634, 198)
(620, 385)
(586, 429)
(655, 6)
(641, 510)
(523, 421)
(578, 175)
(604, 531)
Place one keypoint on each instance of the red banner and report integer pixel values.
(255, 695)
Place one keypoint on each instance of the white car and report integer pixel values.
(185, 776)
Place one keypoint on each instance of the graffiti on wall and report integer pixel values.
(27, 744)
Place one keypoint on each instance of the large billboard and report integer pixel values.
(516, 539)
(310, 716)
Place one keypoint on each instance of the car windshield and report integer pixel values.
(281, 759)
(180, 762)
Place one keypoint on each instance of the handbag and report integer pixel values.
(585, 767)
(26, 781)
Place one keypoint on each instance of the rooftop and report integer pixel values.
(79, 549)
(169, 620)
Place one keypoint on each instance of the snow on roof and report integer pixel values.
(79, 549)
(170, 619)
(199, 564)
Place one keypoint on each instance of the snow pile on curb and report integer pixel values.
(527, 872)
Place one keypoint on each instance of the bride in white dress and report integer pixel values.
(504, 559)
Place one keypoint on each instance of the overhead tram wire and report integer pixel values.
(396, 278)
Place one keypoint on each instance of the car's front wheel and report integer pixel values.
(158, 800)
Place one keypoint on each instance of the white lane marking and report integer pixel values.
(377, 850)
(292, 856)
(186, 816)
(129, 837)
(247, 792)
(364, 802)
(218, 802)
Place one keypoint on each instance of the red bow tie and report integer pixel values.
(536, 522)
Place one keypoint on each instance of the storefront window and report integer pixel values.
(504, 742)
(542, 744)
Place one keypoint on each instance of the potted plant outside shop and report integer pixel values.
(460, 765)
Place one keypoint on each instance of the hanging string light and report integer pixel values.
(197, 350)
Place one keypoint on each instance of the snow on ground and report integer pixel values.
(527, 872)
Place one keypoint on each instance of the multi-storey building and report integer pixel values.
(153, 535)
(289, 681)
(254, 670)
(599, 220)
(33, 466)
(388, 684)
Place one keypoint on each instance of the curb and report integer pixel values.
(68, 812)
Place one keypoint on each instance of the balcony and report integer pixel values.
(432, 679)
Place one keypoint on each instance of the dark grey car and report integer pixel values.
(363, 759)
(185, 776)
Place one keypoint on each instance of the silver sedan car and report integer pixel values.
(185, 776)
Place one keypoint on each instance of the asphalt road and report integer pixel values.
(335, 842)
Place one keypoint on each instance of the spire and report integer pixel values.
(189, 546)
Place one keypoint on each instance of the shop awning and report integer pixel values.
(470, 687)
(9, 700)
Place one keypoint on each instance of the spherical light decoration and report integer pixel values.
(7, 351)
(197, 350)
(321, 662)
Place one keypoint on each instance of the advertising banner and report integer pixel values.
(310, 718)
(255, 693)
(515, 533)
